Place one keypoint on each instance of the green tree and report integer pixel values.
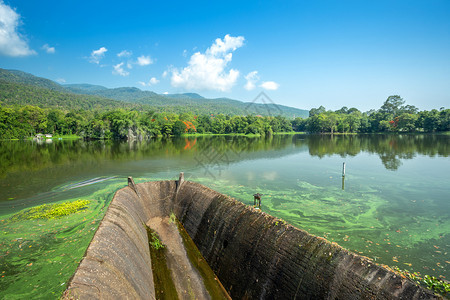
(353, 110)
(364, 123)
(35, 117)
(299, 124)
(375, 120)
(392, 105)
(314, 124)
(444, 120)
(330, 121)
(342, 123)
(354, 121)
(317, 111)
(428, 120)
(384, 126)
(407, 122)
(178, 128)
(409, 109)
(342, 110)
(55, 121)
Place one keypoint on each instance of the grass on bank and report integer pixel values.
(67, 137)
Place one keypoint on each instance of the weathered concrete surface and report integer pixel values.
(188, 282)
(117, 263)
(254, 255)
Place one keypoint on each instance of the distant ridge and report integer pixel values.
(17, 76)
(84, 87)
(185, 95)
(88, 96)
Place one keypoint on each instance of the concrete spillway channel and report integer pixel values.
(254, 255)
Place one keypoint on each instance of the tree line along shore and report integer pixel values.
(24, 121)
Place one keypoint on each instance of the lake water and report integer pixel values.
(393, 205)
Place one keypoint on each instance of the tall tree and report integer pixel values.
(317, 111)
(392, 105)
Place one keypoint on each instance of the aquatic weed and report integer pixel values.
(433, 283)
(50, 211)
(437, 285)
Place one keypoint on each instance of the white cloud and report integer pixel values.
(12, 43)
(206, 71)
(270, 85)
(185, 53)
(124, 53)
(152, 81)
(228, 43)
(97, 55)
(251, 78)
(166, 93)
(61, 80)
(119, 70)
(144, 60)
(164, 74)
(129, 65)
(48, 49)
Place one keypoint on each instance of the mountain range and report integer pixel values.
(17, 87)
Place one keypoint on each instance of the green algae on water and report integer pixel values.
(363, 220)
(49, 211)
(38, 256)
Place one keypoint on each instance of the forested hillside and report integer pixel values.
(16, 76)
(32, 91)
(177, 102)
(23, 94)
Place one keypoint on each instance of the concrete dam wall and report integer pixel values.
(255, 255)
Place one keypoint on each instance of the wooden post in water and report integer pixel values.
(343, 175)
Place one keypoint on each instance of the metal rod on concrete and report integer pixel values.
(180, 181)
(133, 186)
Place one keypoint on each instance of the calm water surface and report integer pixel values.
(393, 205)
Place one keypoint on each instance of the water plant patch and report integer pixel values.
(50, 211)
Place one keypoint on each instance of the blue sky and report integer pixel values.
(301, 53)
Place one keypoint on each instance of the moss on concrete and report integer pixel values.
(164, 286)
